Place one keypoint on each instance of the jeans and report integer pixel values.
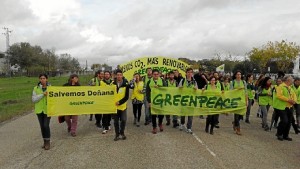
(137, 111)
(264, 110)
(189, 122)
(44, 121)
(121, 116)
(160, 120)
(72, 122)
(297, 109)
(147, 111)
(106, 119)
(249, 108)
(237, 119)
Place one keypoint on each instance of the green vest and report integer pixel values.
(172, 84)
(96, 81)
(265, 100)
(159, 83)
(277, 103)
(146, 79)
(250, 92)
(238, 86)
(297, 92)
(188, 86)
(208, 88)
(218, 84)
(41, 105)
(226, 87)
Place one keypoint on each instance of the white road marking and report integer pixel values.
(202, 143)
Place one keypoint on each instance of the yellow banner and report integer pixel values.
(164, 64)
(78, 100)
(190, 102)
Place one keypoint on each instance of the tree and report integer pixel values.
(282, 52)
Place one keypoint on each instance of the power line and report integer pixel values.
(7, 34)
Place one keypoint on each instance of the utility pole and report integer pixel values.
(7, 33)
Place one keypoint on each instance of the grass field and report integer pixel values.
(15, 94)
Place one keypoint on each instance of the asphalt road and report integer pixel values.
(21, 146)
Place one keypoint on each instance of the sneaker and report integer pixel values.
(104, 131)
(116, 138)
(175, 125)
(154, 131)
(123, 137)
(134, 121)
(217, 126)
(189, 131)
(247, 121)
(280, 138)
(181, 127)
(168, 123)
(98, 125)
(287, 138)
(73, 134)
(161, 128)
(146, 123)
(267, 128)
(138, 124)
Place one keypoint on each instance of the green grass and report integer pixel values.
(15, 94)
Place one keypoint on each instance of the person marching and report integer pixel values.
(137, 97)
(251, 94)
(72, 120)
(188, 82)
(296, 88)
(154, 82)
(96, 82)
(211, 119)
(121, 103)
(238, 83)
(171, 82)
(219, 86)
(146, 79)
(106, 118)
(265, 100)
(283, 103)
(275, 115)
(226, 83)
(39, 98)
(257, 84)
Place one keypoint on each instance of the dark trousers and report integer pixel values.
(106, 121)
(211, 120)
(121, 116)
(284, 126)
(237, 119)
(44, 121)
(98, 118)
(160, 120)
(137, 111)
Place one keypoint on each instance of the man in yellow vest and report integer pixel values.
(146, 79)
(155, 82)
(121, 103)
(296, 88)
(106, 119)
(283, 102)
(96, 82)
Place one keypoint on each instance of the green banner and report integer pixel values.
(190, 102)
(77, 100)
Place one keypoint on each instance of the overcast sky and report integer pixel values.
(115, 31)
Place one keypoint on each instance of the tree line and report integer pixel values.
(34, 59)
(277, 56)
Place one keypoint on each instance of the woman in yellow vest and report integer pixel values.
(275, 115)
(137, 97)
(212, 119)
(251, 94)
(39, 98)
(238, 83)
(265, 100)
